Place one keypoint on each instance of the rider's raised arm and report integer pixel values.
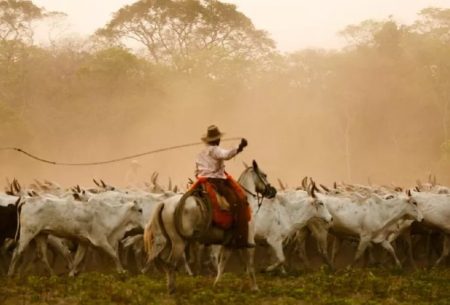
(220, 153)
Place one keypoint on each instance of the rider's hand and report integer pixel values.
(243, 144)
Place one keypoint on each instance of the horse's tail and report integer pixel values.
(152, 228)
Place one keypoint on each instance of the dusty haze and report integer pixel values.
(375, 110)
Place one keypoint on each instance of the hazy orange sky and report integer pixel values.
(293, 24)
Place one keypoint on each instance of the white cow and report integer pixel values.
(436, 215)
(370, 219)
(100, 223)
(282, 216)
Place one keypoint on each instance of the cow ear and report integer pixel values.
(76, 196)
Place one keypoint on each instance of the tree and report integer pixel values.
(179, 33)
(16, 19)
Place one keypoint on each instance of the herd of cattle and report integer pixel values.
(79, 222)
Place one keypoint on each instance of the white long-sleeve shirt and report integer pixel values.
(210, 162)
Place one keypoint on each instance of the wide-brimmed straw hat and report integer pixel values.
(213, 133)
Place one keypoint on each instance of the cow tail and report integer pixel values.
(151, 228)
(19, 209)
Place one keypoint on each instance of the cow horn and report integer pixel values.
(408, 192)
(17, 185)
(417, 189)
(335, 185)
(78, 188)
(103, 183)
(170, 184)
(434, 180)
(96, 183)
(281, 184)
(313, 188)
(175, 189)
(324, 188)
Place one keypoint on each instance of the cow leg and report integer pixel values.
(137, 252)
(335, 249)
(387, 245)
(109, 250)
(41, 245)
(277, 246)
(61, 248)
(79, 256)
(320, 233)
(301, 250)
(224, 255)
(445, 250)
(300, 247)
(364, 242)
(24, 241)
(407, 238)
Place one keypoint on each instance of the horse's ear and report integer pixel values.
(245, 165)
(255, 165)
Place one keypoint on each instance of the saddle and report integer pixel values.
(218, 205)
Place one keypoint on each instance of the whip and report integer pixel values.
(32, 156)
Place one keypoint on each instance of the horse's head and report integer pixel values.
(262, 186)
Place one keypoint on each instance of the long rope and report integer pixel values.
(107, 161)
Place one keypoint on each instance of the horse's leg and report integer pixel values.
(170, 267)
(250, 266)
(224, 255)
(186, 265)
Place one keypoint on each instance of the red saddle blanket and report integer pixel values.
(220, 217)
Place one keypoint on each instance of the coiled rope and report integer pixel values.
(32, 156)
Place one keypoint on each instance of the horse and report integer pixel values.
(182, 219)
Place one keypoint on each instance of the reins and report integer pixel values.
(51, 162)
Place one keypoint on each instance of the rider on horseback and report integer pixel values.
(210, 167)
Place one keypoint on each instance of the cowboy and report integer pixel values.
(210, 166)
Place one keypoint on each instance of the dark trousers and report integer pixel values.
(239, 210)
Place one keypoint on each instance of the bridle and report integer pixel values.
(267, 193)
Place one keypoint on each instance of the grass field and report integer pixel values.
(368, 286)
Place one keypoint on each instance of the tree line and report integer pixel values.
(379, 107)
